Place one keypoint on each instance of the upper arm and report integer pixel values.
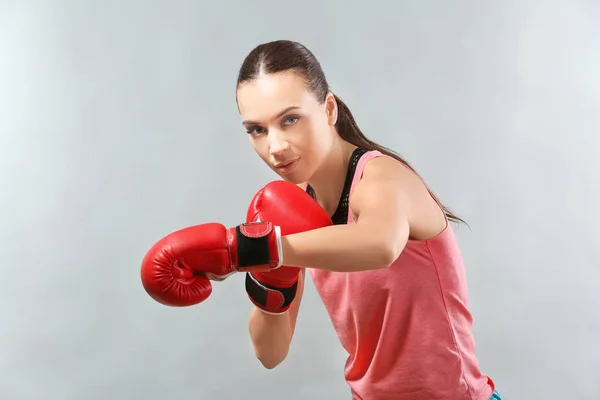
(381, 202)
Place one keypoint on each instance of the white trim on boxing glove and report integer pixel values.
(279, 244)
(271, 313)
(219, 278)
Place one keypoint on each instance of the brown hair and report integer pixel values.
(286, 55)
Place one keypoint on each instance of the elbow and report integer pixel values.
(271, 361)
(270, 364)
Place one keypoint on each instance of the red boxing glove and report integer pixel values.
(177, 270)
(288, 206)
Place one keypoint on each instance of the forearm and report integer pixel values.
(343, 248)
(271, 336)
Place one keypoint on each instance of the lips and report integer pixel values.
(286, 166)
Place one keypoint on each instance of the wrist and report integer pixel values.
(255, 247)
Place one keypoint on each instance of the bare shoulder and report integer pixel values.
(384, 182)
(390, 169)
(386, 176)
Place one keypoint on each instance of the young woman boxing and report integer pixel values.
(376, 242)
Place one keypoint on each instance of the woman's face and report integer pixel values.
(287, 126)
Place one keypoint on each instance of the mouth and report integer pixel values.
(287, 166)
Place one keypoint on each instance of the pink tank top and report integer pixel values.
(407, 328)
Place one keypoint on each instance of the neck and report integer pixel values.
(328, 180)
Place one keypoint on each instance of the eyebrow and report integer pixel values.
(248, 122)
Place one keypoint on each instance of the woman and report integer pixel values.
(403, 319)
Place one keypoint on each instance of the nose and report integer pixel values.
(278, 143)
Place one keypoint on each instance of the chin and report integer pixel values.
(295, 179)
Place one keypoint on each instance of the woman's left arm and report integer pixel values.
(381, 205)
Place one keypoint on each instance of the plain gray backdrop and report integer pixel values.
(119, 125)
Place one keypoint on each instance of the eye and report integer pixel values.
(255, 130)
(291, 119)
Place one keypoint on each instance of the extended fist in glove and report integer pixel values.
(178, 269)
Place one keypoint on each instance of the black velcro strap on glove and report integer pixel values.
(270, 298)
(252, 250)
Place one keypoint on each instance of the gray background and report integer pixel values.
(118, 125)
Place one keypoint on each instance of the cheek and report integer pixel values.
(319, 137)
(259, 147)
(315, 146)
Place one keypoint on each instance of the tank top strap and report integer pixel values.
(358, 172)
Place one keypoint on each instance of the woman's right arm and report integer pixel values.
(272, 334)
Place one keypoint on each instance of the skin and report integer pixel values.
(390, 204)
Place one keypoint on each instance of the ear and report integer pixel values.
(331, 108)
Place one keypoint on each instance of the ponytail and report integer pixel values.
(349, 131)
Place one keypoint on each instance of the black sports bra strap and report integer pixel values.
(340, 216)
